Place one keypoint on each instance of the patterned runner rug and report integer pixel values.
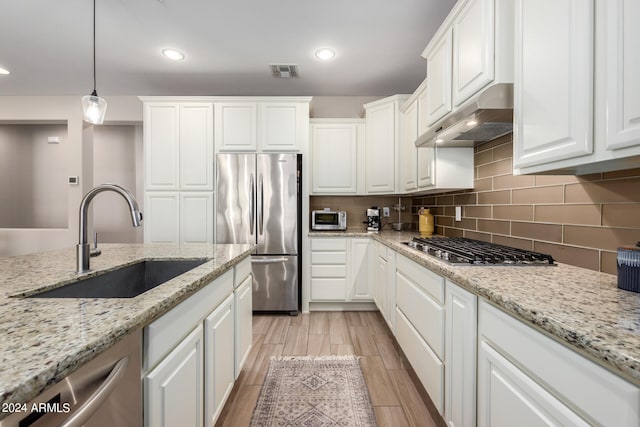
(314, 391)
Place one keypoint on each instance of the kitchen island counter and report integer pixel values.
(583, 309)
(44, 340)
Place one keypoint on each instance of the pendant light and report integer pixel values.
(93, 106)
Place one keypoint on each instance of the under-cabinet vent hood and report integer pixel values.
(486, 116)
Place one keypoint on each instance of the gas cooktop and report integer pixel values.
(462, 251)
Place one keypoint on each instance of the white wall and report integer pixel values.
(79, 160)
(339, 106)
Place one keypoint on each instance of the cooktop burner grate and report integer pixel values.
(462, 251)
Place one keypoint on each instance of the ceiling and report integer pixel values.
(229, 45)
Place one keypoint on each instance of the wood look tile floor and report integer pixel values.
(396, 400)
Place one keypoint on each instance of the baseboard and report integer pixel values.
(342, 306)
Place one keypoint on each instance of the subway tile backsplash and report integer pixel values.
(579, 220)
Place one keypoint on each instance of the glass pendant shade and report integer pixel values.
(94, 108)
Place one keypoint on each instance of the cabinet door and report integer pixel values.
(391, 290)
(174, 389)
(334, 157)
(426, 167)
(623, 69)
(381, 282)
(422, 111)
(244, 330)
(507, 397)
(161, 145)
(161, 213)
(219, 360)
(473, 49)
(196, 146)
(360, 269)
(236, 126)
(380, 148)
(196, 217)
(553, 99)
(409, 150)
(282, 126)
(460, 356)
(439, 79)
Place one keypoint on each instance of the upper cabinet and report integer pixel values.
(178, 145)
(337, 160)
(261, 124)
(383, 131)
(472, 49)
(581, 112)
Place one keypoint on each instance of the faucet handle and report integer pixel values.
(95, 251)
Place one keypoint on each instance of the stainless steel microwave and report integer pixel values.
(328, 220)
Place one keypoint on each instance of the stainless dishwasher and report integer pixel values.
(105, 391)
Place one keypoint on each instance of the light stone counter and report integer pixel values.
(44, 340)
(580, 308)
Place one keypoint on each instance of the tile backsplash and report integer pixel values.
(579, 220)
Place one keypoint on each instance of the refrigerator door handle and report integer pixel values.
(252, 207)
(269, 260)
(261, 206)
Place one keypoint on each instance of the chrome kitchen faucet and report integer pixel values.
(83, 249)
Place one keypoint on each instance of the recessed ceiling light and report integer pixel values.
(325, 53)
(4, 71)
(173, 54)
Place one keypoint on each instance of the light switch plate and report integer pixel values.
(458, 213)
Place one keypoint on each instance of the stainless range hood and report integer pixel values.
(486, 116)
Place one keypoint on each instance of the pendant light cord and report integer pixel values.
(94, 49)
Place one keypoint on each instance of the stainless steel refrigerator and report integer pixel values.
(258, 201)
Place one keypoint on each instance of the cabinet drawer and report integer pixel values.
(425, 314)
(330, 244)
(328, 289)
(428, 368)
(429, 281)
(242, 271)
(338, 271)
(161, 336)
(381, 251)
(328, 258)
(598, 393)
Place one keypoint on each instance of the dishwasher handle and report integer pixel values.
(96, 400)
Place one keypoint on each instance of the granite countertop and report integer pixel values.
(44, 340)
(580, 308)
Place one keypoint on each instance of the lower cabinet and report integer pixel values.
(527, 378)
(178, 217)
(341, 269)
(192, 353)
(174, 392)
(460, 356)
(219, 365)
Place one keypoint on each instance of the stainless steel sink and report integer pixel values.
(125, 282)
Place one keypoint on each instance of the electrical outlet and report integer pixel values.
(458, 213)
(385, 211)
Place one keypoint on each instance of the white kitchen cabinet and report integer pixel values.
(409, 152)
(161, 145)
(460, 356)
(236, 126)
(283, 125)
(328, 269)
(383, 133)
(265, 124)
(438, 55)
(420, 324)
(553, 112)
(473, 49)
(178, 145)
(359, 270)
(178, 217)
(337, 156)
(196, 217)
(243, 312)
(380, 278)
(161, 213)
(583, 114)
(219, 339)
(530, 379)
(174, 392)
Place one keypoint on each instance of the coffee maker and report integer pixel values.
(373, 219)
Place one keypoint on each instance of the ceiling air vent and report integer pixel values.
(284, 71)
